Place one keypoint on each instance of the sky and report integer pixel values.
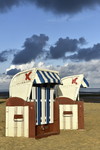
(62, 35)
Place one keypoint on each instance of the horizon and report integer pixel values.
(81, 90)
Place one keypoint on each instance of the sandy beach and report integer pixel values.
(87, 139)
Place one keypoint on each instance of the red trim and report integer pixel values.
(65, 100)
(32, 120)
(18, 116)
(80, 115)
(67, 113)
(16, 101)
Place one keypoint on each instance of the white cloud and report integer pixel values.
(41, 64)
(22, 67)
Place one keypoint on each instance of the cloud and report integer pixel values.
(90, 69)
(63, 46)
(55, 6)
(33, 47)
(4, 55)
(87, 54)
(13, 71)
(8, 4)
(4, 82)
(66, 6)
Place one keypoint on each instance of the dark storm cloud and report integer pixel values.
(7, 4)
(4, 55)
(56, 6)
(33, 47)
(87, 53)
(63, 46)
(66, 6)
(13, 71)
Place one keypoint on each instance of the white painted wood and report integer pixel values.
(15, 122)
(9, 121)
(67, 117)
(19, 122)
(61, 117)
(26, 121)
(34, 93)
(43, 99)
(75, 117)
(51, 105)
(17, 127)
(69, 121)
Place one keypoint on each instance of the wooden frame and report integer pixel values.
(66, 101)
(34, 131)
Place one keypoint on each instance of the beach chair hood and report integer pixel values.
(71, 85)
(21, 83)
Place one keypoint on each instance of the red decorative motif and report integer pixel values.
(27, 76)
(74, 81)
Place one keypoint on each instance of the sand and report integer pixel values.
(87, 139)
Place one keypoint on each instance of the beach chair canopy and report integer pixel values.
(43, 77)
(21, 84)
(71, 85)
(84, 83)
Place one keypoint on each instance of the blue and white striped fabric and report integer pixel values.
(46, 77)
(44, 96)
(47, 102)
(84, 83)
